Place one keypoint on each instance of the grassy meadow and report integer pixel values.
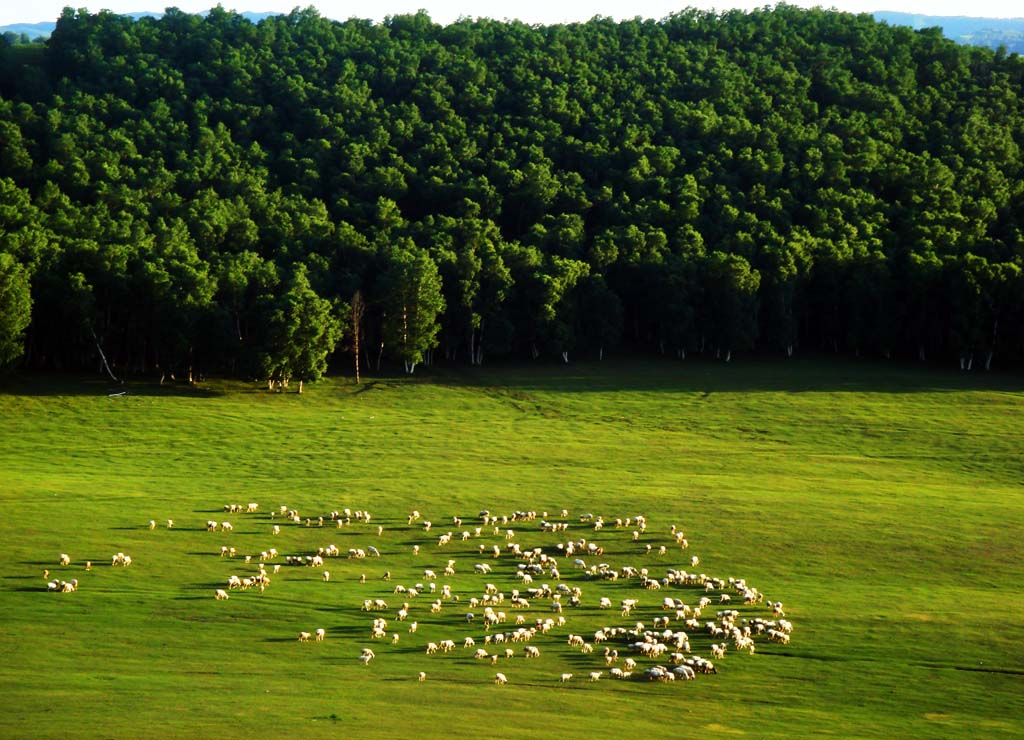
(882, 504)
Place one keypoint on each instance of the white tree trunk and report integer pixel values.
(600, 354)
(789, 350)
(300, 387)
(565, 357)
(988, 360)
(728, 355)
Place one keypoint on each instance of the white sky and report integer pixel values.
(531, 11)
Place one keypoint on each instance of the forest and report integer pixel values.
(192, 195)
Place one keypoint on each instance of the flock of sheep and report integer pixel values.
(504, 586)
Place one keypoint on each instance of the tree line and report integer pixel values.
(207, 194)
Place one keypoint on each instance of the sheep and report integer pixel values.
(468, 642)
(480, 654)
(170, 524)
(566, 678)
(72, 585)
(252, 507)
(718, 651)
(152, 523)
(320, 634)
(595, 676)
(53, 585)
(221, 595)
(431, 648)
(326, 576)
(531, 652)
(421, 676)
(304, 636)
(500, 679)
(65, 559)
(276, 529)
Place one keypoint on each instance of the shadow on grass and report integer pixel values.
(701, 374)
(707, 376)
(59, 384)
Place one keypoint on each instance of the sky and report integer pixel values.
(530, 11)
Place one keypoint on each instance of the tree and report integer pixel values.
(302, 329)
(410, 292)
(358, 311)
(15, 308)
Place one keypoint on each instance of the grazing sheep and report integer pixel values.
(152, 523)
(421, 676)
(431, 648)
(170, 523)
(221, 595)
(65, 559)
(327, 576)
(500, 679)
(321, 634)
(304, 636)
(595, 675)
(566, 678)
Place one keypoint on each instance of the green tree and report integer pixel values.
(15, 308)
(410, 292)
(302, 330)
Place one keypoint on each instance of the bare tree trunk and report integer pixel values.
(358, 309)
(103, 357)
(300, 387)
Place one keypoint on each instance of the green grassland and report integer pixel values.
(883, 505)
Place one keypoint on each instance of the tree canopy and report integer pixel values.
(199, 192)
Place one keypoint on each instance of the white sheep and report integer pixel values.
(421, 676)
(221, 595)
(500, 679)
(566, 678)
(304, 636)
(595, 675)
(65, 559)
(321, 634)
(327, 576)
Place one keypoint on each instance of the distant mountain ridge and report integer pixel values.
(990, 32)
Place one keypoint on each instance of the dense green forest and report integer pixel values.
(207, 194)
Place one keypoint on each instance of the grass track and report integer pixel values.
(884, 505)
